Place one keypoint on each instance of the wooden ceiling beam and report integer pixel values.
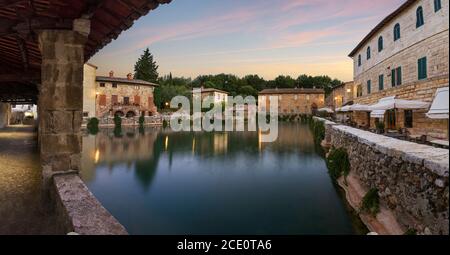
(10, 3)
(22, 77)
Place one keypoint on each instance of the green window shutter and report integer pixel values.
(381, 82)
(399, 75)
(369, 86)
(437, 5)
(393, 78)
(419, 13)
(422, 67)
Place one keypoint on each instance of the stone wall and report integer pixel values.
(412, 179)
(300, 103)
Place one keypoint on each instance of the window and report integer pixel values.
(380, 44)
(126, 100)
(396, 76)
(437, 5)
(419, 13)
(359, 60)
(408, 118)
(369, 86)
(295, 97)
(114, 85)
(102, 85)
(422, 68)
(399, 75)
(396, 32)
(359, 91)
(381, 82)
(102, 100)
(368, 53)
(85, 114)
(307, 97)
(136, 87)
(114, 99)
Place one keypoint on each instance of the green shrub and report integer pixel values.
(141, 121)
(117, 122)
(410, 232)
(380, 126)
(318, 129)
(92, 126)
(338, 163)
(371, 202)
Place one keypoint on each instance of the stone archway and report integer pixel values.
(119, 113)
(131, 114)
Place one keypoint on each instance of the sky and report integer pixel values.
(264, 37)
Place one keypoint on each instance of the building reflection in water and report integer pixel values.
(142, 150)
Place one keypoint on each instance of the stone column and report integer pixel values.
(61, 100)
(5, 114)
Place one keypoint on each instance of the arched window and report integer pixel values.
(396, 32)
(437, 5)
(380, 44)
(419, 14)
(368, 53)
(359, 60)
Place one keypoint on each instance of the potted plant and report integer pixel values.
(379, 127)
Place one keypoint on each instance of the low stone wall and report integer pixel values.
(412, 179)
(79, 211)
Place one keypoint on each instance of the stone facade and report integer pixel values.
(118, 96)
(218, 95)
(429, 40)
(89, 90)
(412, 179)
(340, 95)
(293, 101)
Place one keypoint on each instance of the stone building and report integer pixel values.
(340, 95)
(107, 96)
(219, 96)
(293, 101)
(406, 55)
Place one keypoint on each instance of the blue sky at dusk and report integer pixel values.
(264, 37)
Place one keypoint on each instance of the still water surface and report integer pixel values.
(161, 182)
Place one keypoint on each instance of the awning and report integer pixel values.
(377, 114)
(390, 103)
(326, 109)
(439, 108)
(346, 108)
(360, 108)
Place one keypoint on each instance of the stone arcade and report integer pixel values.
(42, 62)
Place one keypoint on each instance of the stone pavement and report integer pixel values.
(21, 201)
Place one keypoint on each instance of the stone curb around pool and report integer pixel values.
(79, 211)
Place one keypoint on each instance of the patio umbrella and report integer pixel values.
(391, 103)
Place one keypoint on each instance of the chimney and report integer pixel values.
(111, 74)
(129, 76)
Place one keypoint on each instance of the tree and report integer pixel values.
(146, 68)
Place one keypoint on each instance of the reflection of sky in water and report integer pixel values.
(214, 183)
